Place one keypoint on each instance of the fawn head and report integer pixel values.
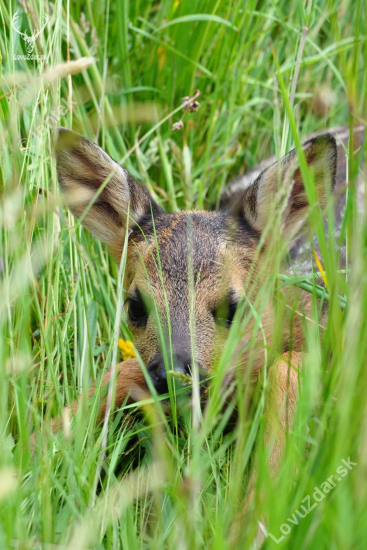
(185, 272)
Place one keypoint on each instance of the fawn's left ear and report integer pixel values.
(99, 190)
(258, 199)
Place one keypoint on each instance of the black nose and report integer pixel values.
(157, 370)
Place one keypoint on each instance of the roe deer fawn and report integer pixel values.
(219, 247)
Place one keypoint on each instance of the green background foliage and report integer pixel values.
(59, 289)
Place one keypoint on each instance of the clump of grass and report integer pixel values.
(164, 483)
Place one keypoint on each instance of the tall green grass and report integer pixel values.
(163, 483)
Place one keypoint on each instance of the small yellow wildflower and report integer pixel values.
(319, 265)
(127, 349)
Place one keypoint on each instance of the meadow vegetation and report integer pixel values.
(266, 73)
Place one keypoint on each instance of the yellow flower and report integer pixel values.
(127, 349)
(319, 265)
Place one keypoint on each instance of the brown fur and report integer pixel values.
(130, 387)
(183, 267)
(218, 262)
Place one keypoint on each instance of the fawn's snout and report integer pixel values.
(182, 365)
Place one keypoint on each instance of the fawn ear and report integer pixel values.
(82, 167)
(282, 181)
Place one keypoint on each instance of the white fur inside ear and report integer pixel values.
(76, 195)
(279, 190)
(87, 174)
(94, 168)
(273, 194)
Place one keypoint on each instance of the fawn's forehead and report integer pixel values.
(204, 243)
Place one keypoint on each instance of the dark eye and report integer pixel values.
(136, 310)
(225, 313)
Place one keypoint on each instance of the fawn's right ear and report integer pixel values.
(82, 167)
(285, 175)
